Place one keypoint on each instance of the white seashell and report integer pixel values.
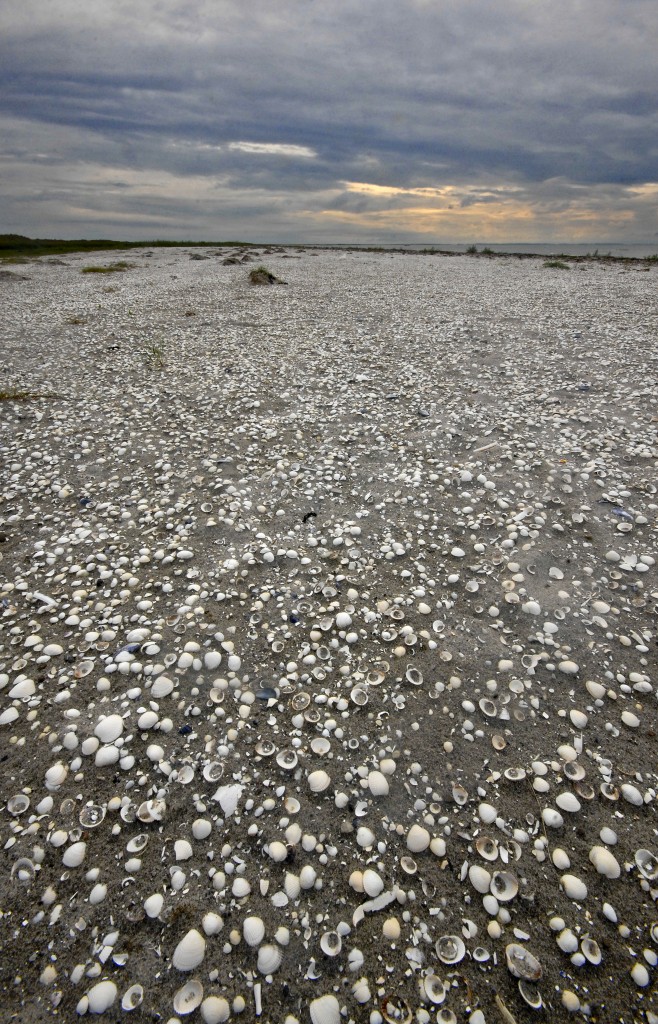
(253, 930)
(182, 849)
(434, 989)
(647, 864)
(190, 951)
(106, 755)
(277, 852)
(521, 963)
(632, 795)
(56, 775)
(487, 813)
(595, 690)
(570, 668)
(188, 997)
(320, 745)
(292, 886)
(8, 716)
(361, 990)
(153, 905)
(201, 828)
(102, 996)
(147, 721)
(318, 781)
(325, 1010)
(504, 886)
(418, 839)
(74, 855)
(604, 862)
(215, 1010)
(162, 687)
(567, 941)
(23, 689)
(97, 894)
(378, 784)
(578, 718)
(630, 719)
(228, 798)
(109, 729)
(132, 998)
(450, 949)
(560, 859)
(479, 878)
(574, 887)
(591, 950)
(240, 887)
(552, 818)
(307, 876)
(212, 923)
(568, 802)
(331, 943)
(269, 959)
(373, 884)
(151, 810)
(343, 620)
(640, 975)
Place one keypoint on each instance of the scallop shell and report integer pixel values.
(325, 1010)
(319, 781)
(521, 962)
(450, 949)
(188, 997)
(215, 1010)
(269, 959)
(190, 951)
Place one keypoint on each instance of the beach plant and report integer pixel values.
(557, 264)
(472, 249)
(110, 268)
(155, 355)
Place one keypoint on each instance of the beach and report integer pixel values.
(328, 665)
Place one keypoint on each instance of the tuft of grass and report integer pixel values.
(261, 275)
(472, 249)
(487, 251)
(155, 356)
(109, 268)
(19, 395)
(557, 264)
(75, 320)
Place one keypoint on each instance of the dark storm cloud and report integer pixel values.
(264, 112)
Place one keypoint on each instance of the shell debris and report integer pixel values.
(328, 652)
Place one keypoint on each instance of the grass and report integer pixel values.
(19, 395)
(155, 356)
(261, 275)
(557, 264)
(487, 251)
(472, 249)
(109, 268)
(20, 248)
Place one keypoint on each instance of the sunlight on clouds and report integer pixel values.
(274, 149)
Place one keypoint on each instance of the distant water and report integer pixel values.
(634, 250)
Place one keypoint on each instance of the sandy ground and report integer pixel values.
(424, 482)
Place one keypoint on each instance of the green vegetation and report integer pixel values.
(19, 395)
(261, 275)
(110, 268)
(472, 249)
(557, 264)
(155, 355)
(19, 248)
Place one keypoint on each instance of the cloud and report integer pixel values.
(467, 117)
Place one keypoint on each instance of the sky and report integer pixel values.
(373, 121)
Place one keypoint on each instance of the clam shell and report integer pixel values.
(319, 781)
(215, 1010)
(530, 994)
(434, 989)
(188, 997)
(331, 943)
(92, 815)
(647, 864)
(450, 949)
(504, 886)
(287, 759)
(132, 998)
(522, 963)
(102, 996)
(253, 930)
(320, 745)
(190, 951)
(487, 847)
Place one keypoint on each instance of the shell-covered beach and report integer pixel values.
(328, 666)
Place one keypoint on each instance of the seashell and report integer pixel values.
(162, 687)
(55, 776)
(574, 771)
(320, 745)
(396, 1010)
(479, 878)
(378, 784)
(568, 802)
(102, 996)
(609, 791)
(241, 887)
(530, 994)
(292, 886)
(182, 849)
(318, 781)
(213, 771)
(109, 729)
(300, 701)
(331, 943)
(215, 1010)
(83, 669)
(287, 759)
(481, 955)
(488, 707)
(487, 847)
(567, 941)
(574, 887)
(521, 962)
(269, 959)
(153, 905)
(325, 1010)
(151, 810)
(552, 818)
(414, 676)
(188, 998)
(228, 798)
(515, 774)
(418, 839)
(498, 742)
(292, 805)
(450, 949)
(190, 951)
(18, 804)
(434, 989)
(647, 864)
(373, 883)
(132, 998)
(632, 795)
(212, 923)
(504, 886)
(137, 843)
(640, 975)
(23, 871)
(591, 950)
(359, 696)
(408, 865)
(459, 794)
(307, 876)
(185, 775)
(92, 815)
(253, 930)
(604, 862)
(74, 855)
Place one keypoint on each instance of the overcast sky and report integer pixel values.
(330, 120)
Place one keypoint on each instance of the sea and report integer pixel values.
(630, 250)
